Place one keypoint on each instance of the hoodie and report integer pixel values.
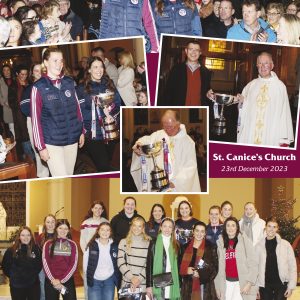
(120, 224)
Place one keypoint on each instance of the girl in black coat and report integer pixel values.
(198, 266)
(22, 263)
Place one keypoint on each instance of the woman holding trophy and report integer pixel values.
(100, 105)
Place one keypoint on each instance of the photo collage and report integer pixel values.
(149, 150)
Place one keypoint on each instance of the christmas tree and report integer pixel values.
(280, 209)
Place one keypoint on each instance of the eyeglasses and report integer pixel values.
(31, 19)
(273, 14)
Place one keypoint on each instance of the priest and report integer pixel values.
(264, 113)
(177, 158)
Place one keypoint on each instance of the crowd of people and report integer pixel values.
(50, 132)
(162, 258)
(28, 22)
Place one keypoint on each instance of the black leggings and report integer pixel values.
(52, 294)
(27, 293)
(273, 291)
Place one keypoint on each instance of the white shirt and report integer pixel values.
(105, 267)
(166, 243)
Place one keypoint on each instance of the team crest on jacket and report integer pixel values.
(134, 1)
(182, 12)
(114, 254)
(68, 93)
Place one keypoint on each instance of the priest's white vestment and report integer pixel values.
(182, 162)
(265, 116)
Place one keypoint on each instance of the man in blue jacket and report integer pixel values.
(252, 27)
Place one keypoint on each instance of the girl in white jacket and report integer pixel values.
(126, 77)
(277, 265)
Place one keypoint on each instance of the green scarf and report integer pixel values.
(158, 268)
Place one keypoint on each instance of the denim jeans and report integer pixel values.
(102, 289)
(27, 149)
(42, 284)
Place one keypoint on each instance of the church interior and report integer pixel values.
(233, 65)
(13, 168)
(26, 203)
(144, 121)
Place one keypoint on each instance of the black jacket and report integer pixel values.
(217, 29)
(150, 260)
(120, 225)
(176, 87)
(22, 270)
(77, 24)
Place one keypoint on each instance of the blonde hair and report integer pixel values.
(292, 24)
(129, 235)
(277, 6)
(127, 58)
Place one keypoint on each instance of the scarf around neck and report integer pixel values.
(158, 268)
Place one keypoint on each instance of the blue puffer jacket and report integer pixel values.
(85, 101)
(239, 32)
(176, 18)
(94, 256)
(25, 100)
(121, 18)
(59, 116)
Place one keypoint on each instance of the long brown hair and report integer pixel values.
(55, 237)
(96, 235)
(173, 237)
(90, 212)
(159, 5)
(48, 8)
(151, 218)
(44, 230)
(17, 244)
(104, 79)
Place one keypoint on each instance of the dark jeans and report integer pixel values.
(98, 153)
(29, 293)
(52, 294)
(102, 289)
(273, 291)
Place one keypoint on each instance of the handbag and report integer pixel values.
(205, 271)
(162, 280)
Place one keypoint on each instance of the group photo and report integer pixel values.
(251, 90)
(215, 246)
(60, 106)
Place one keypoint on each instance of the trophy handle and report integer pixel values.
(154, 162)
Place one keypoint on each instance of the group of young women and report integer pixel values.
(150, 258)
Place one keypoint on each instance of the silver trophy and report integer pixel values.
(159, 177)
(219, 126)
(111, 129)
